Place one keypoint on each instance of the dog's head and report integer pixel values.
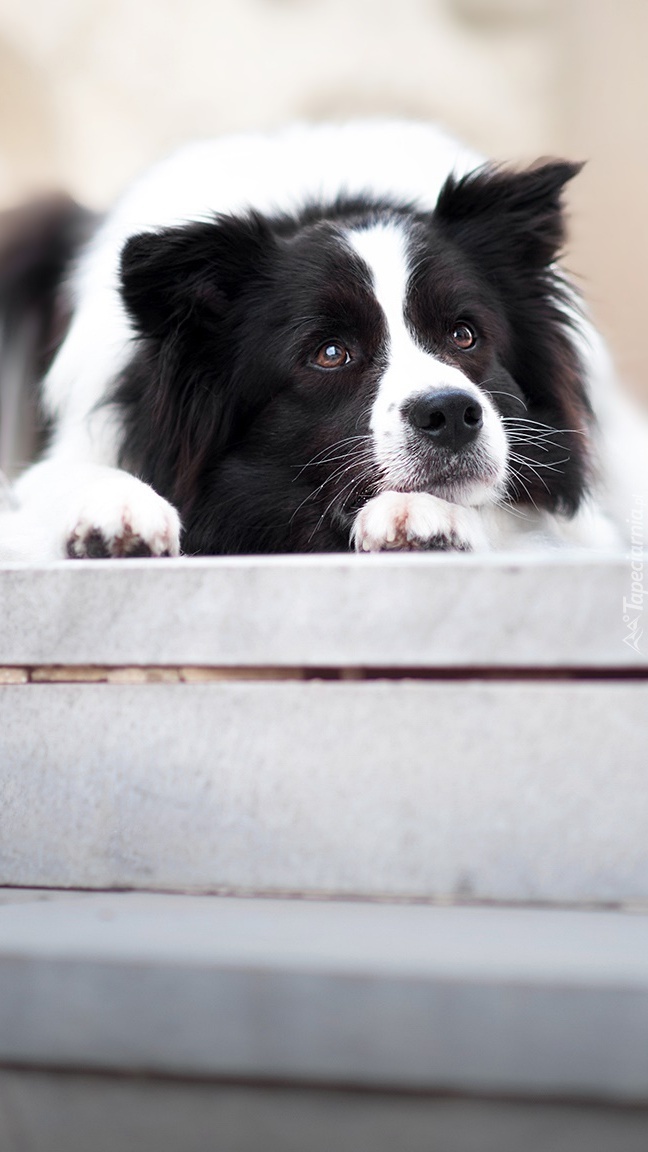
(359, 347)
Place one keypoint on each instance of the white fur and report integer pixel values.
(416, 520)
(125, 513)
(65, 505)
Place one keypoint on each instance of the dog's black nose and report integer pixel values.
(449, 416)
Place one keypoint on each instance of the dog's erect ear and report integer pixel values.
(508, 218)
(191, 272)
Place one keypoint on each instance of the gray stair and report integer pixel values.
(440, 760)
(404, 610)
(534, 1003)
(426, 726)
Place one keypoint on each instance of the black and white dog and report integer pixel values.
(328, 338)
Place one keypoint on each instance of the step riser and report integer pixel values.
(328, 1029)
(539, 1003)
(502, 791)
(56, 1111)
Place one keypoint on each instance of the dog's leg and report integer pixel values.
(417, 521)
(88, 511)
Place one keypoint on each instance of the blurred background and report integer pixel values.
(91, 91)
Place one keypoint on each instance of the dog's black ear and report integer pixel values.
(504, 217)
(191, 272)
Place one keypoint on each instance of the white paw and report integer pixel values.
(121, 516)
(416, 521)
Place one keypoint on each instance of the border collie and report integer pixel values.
(323, 339)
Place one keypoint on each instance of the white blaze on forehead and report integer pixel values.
(410, 370)
(383, 248)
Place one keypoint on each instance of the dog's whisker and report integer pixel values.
(525, 463)
(359, 461)
(530, 441)
(517, 478)
(346, 463)
(323, 457)
(325, 460)
(509, 395)
(354, 485)
(536, 464)
(523, 423)
(544, 445)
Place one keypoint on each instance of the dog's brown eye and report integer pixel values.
(332, 355)
(463, 335)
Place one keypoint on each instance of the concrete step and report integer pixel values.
(429, 726)
(540, 1004)
(559, 610)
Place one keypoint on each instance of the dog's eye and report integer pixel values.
(332, 355)
(463, 335)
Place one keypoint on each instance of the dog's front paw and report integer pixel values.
(415, 521)
(121, 516)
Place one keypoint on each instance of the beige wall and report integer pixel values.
(93, 90)
(602, 115)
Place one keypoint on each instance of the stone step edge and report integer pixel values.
(203, 674)
(445, 1000)
(635, 907)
